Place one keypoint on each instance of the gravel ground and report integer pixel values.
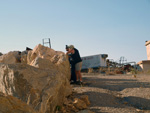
(116, 93)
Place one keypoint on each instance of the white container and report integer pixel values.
(94, 61)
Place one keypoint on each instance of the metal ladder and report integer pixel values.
(47, 41)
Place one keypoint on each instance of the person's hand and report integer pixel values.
(67, 52)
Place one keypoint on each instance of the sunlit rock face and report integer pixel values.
(10, 104)
(42, 82)
(11, 57)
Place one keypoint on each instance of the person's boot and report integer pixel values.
(78, 82)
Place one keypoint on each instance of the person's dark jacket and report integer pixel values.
(76, 57)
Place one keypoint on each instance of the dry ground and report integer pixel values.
(116, 93)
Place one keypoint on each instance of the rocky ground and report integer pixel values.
(116, 93)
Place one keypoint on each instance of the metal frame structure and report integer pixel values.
(47, 41)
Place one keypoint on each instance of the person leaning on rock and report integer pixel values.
(72, 66)
(77, 61)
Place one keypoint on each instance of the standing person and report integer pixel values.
(72, 66)
(77, 61)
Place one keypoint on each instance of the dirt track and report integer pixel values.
(116, 93)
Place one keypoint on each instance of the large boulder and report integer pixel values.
(10, 104)
(11, 57)
(46, 58)
(42, 52)
(42, 82)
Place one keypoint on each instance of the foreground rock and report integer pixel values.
(46, 58)
(9, 104)
(75, 103)
(11, 57)
(42, 81)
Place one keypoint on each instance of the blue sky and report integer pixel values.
(114, 27)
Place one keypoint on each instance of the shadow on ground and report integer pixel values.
(109, 100)
(100, 100)
(137, 102)
(114, 84)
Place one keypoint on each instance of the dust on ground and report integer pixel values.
(116, 93)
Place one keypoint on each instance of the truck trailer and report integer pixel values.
(94, 61)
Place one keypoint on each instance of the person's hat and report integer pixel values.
(71, 47)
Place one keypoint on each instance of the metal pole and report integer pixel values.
(49, 43)
(43, 42)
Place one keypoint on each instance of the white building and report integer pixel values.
(148, 49)
(145, 64)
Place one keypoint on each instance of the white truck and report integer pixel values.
(94, 61)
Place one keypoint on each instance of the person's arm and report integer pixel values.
(68, 52)
(71, 51)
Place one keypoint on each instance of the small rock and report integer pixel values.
(85, 99)
(79, 104)
(134, 76)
